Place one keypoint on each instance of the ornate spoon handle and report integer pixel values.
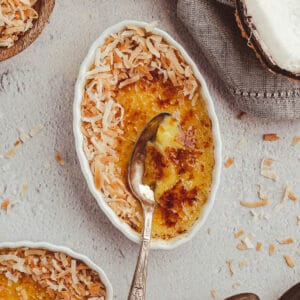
(138, 285)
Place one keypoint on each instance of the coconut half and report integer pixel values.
(272, 29)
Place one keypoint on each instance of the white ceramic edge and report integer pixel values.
(122, 226)
(68, 251)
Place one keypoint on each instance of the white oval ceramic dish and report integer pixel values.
(122, 226)
(68, 251)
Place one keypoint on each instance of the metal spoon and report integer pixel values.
(146, 196)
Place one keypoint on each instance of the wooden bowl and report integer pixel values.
(44, 9)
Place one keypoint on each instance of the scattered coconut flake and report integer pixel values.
(229, 162)
(296, 140)
(271, 249)
(36, 130)
(292, 196)
(243, 263)
(208, 231)
(266, 171)
(254, 204)
(236, 284)
(298, 220)
(230, 266)
(248, 243)
(5, 203)
(271, 137)
(214, 293)
(258, 246)
(13, 150)
(284, 199)
(241, 246)
(268, 162)
(286, 241)
(239, 234)
(289, 261)
(24, 190)
(59, 159)
(24, 137)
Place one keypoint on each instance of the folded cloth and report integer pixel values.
(254, 89)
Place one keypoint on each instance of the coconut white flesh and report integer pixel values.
(277, 29)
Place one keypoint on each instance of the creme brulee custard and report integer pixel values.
(136, 75)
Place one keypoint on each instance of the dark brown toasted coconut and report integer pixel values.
(247, 28)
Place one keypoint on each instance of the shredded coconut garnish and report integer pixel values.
(61, 276)
(16, 17)
(271, 249)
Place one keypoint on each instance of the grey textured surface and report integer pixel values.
(37, 87)
(254, 89)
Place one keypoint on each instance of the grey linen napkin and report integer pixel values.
(255, 90)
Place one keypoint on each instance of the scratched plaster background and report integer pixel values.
(36, 87)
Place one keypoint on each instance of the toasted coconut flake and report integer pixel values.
(283, 201)
(271, 249)
(248, 243)
(229, 162)
(296, 140)
(59, 159)
(260, 194)
(289, 261)
(129, 81)
(36, 130)
(241, 246)
(13, 150)
(271, 137)
(236, 284)
(268, 162)
(286, 241)
(230, 266)
(298, 220)
(24, 190)
(214, 294)
(266, 171)
(292, 196)
(258, 246)
(5, 203)
(254, 204)
(24, 137)
(243, 263)
(239, 234)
